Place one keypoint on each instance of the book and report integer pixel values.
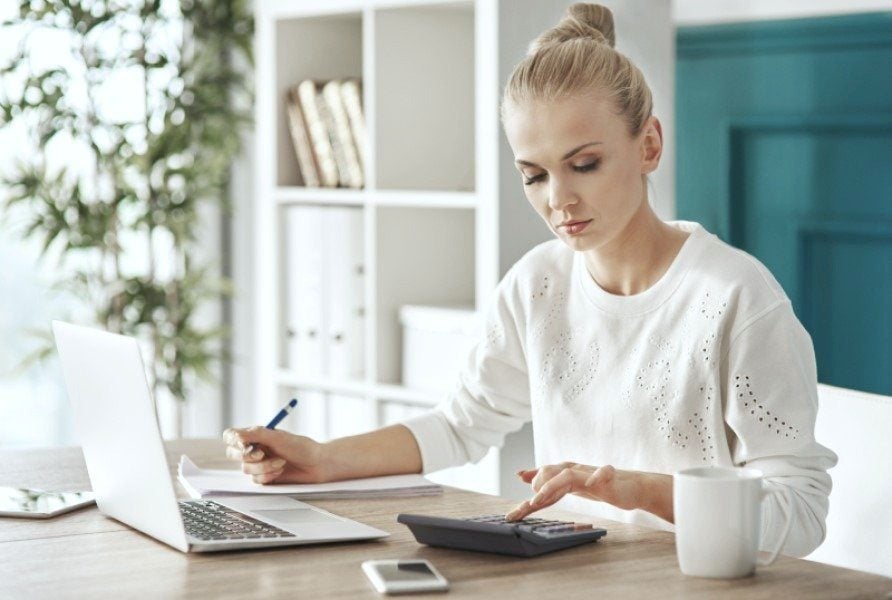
(201, 483)
(349, 168)
(307, 91)
(300, 138)
(351, 96)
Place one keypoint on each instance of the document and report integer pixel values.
(200, 483)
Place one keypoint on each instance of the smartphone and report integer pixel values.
(404, 576)
(40, 504)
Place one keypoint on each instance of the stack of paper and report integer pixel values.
(200, 483)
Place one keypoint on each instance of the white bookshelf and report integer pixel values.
(444, 213)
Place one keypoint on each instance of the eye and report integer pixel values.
(579, 169)
(532, 180)
(587, 167)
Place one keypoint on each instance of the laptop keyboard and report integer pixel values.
(207, 520)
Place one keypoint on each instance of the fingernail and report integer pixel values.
(535, 501)
(257, 454)
(279, 463)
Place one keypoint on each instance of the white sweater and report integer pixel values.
(709, 366)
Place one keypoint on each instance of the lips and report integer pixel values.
(575, 226)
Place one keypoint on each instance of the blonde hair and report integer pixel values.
(577, 58)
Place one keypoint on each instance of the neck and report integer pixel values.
(638, 256)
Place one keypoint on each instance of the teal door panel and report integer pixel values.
(784, 138)
(846, 270)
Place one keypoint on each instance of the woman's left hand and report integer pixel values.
(623, 489)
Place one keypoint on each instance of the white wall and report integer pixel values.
(645, 33)
(703, 12)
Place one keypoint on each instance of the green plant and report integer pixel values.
(149, 176)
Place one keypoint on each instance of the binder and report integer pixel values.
(397, 412)
(310, 418)
(350, 415)
(344, 293)
(304, 279)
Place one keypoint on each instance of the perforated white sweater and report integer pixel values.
(709, 366)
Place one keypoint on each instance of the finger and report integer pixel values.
(545, 474)
(231, 437)
(264, 466)
(568, 480)
(266, 477)
(601, 477)
(526, 475)
(236, 454)
(519, 512)
(241, 438)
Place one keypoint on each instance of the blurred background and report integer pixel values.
(315, 198)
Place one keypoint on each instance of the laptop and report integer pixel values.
(127, 466)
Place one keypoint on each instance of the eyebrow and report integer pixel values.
(564, 157)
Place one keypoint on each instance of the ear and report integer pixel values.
(651, 145)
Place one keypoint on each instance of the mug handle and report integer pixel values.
(787, 507)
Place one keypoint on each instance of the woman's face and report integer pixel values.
(581, 170)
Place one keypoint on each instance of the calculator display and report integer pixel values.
(405, 571)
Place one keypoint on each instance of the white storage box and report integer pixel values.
(436, 343)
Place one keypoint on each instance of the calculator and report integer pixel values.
(492, 533)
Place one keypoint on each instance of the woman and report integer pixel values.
(637, 347)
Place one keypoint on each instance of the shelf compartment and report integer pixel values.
(423, 256)
(424, 97)
(321, 47)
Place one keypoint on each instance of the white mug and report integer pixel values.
(718, 514)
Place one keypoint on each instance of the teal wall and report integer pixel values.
(784, 137)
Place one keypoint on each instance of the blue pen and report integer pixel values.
(275, 421)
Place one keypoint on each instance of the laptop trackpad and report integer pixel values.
(296, 516)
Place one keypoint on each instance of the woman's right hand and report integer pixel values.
(278, 456)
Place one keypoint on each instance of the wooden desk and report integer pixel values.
(86, 555)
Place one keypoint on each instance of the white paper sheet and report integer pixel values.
(200, 483)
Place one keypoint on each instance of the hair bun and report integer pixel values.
(583, 20)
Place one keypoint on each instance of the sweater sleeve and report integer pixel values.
(770, 410)
(491, 396)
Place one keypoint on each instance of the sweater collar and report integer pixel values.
(656, 294)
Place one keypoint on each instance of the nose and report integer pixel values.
(560, 194)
